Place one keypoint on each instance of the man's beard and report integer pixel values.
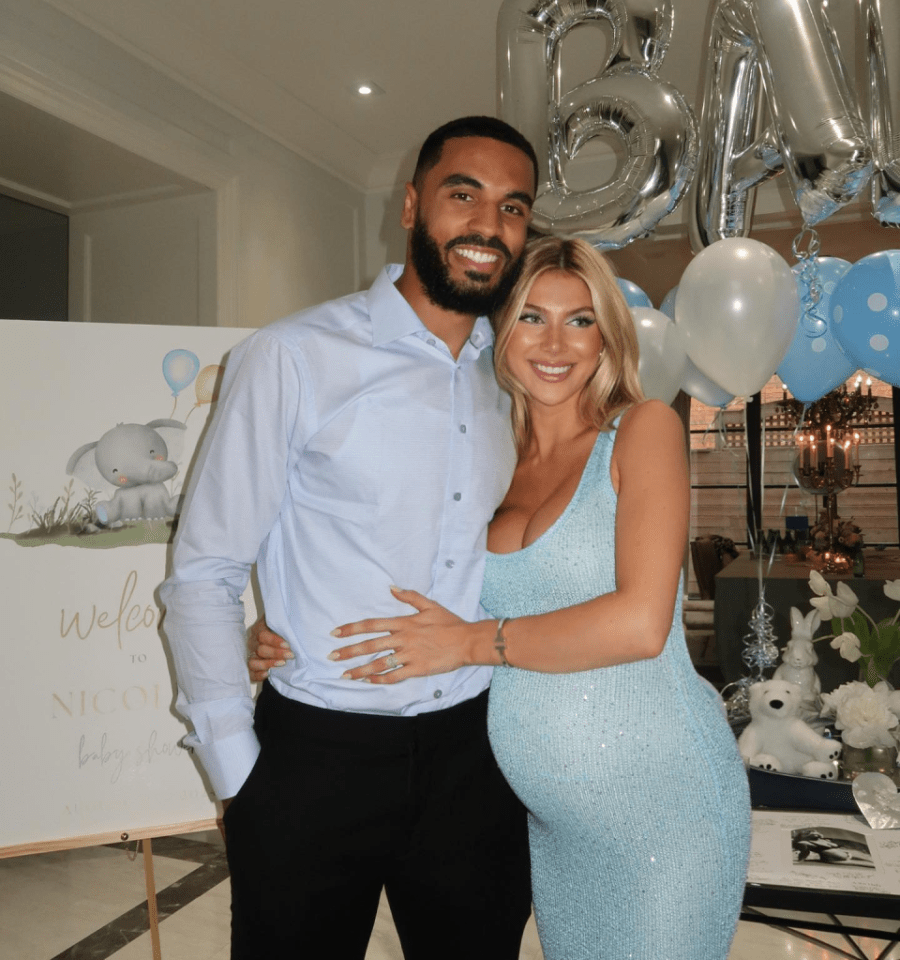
(446, 293)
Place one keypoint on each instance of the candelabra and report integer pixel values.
(827, 460)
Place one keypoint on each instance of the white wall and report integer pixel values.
(385, 239)
(300, 235)
(145, 263)
(288, 234)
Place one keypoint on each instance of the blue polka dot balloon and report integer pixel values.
(814, 363)
(865, 314)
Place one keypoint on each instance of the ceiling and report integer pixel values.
(290, 68)
(53, 163)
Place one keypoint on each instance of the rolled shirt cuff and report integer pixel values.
(227, 762)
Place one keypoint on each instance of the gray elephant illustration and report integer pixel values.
(135, 459)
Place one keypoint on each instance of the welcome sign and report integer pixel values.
(101, 423)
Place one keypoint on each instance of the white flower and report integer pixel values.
(893, 702)
(826, 602)
(832, 701)
(845, 602)
(890, 696)
(868, 736)
(865, 718)
(848, 644)
(892, 589)
(818, 584)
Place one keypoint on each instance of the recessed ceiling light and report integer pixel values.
(367, 89)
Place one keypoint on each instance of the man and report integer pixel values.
(356, 445)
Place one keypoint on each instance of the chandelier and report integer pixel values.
(827, 460)
(827, 443)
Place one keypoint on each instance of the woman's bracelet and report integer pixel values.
(500, 641)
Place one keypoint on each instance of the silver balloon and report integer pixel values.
(647, 118)
(777, 59)
(881, 29)
(733, 156)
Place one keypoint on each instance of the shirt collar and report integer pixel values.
(392, 317)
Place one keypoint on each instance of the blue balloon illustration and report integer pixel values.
(865, 314)
(634, 296)
(815, 365)
(179, 368)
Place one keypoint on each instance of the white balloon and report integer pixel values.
(700, 387)
(737, 309)
(694, 383)
(662, 359)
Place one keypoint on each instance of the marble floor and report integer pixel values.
(90, 904)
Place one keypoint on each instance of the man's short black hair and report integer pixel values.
(489, 127)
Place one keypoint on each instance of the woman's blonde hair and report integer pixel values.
(615, 385)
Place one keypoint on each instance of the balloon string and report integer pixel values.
(809, 285)
(787, 483)
(174, 405)
(755, 537)
(193, 408)
(751, 532)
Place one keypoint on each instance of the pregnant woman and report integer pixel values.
(639, 814)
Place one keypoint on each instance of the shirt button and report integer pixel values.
(462, 428)
(457, 496)
(438, 694)
(450, 564)
(431, 343)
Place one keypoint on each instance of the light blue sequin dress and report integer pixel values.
(639, 811)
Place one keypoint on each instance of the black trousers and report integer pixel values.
(340, 806)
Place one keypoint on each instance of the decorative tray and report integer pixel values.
(788, 792)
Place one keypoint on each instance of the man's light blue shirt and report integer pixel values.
(349, 452)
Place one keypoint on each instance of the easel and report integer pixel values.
(144, 836)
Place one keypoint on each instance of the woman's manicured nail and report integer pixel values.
(334, 655)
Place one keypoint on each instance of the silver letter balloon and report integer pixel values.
(646, 118)
(880, 20)
(779, 59)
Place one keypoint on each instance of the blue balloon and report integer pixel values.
(815, 365)
(865, 310)
(668, 305)
(634, 296)
(179, 368)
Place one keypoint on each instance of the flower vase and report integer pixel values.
(857, 760)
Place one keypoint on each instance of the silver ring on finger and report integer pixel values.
(392, 662)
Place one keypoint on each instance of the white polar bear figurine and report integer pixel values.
(778, 740)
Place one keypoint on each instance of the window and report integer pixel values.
(721, 502)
